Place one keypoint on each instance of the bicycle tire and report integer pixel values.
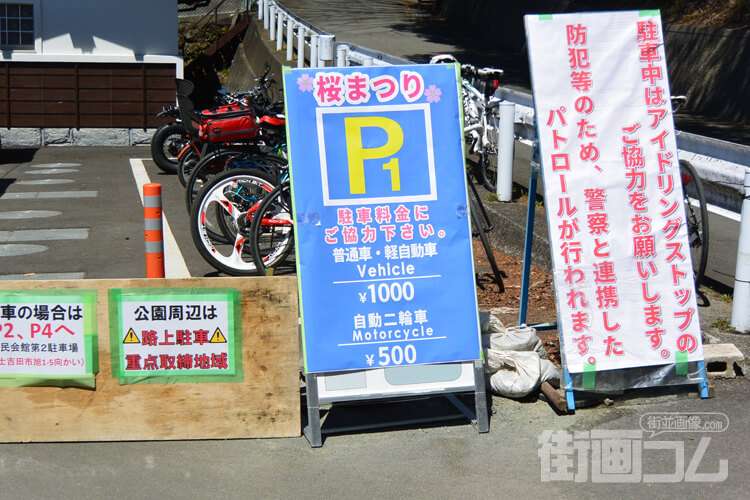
(272, 230)
(696, 213)
(217, 162)
(489, 172)
(233, 196)
(166, 144)
(187, 162)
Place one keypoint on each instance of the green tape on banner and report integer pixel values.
(92, 353)
(681, 363)
(545, 17)
(19, 380)
(589, 376)
(647, 12)
(286, 69)
(113, 304)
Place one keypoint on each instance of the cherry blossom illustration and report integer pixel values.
(305, 83)
(433, 93)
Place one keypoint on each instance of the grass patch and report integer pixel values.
(723, 325)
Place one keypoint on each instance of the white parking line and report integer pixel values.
(174, 263)
(81, 233)
(48, 195)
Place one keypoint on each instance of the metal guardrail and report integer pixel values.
(313, 47)
(720, 163)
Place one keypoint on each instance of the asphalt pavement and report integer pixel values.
(529, 450)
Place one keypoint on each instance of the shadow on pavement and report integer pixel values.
(17, 155)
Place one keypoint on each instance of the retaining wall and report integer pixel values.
(707, 65)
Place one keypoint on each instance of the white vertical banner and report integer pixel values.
(621, 258)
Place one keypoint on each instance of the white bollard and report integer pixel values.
(314, 51)
(506, 143)
(341, 54)
(325, 50)
(301, 33)
(266, 13)
(289, 38)
(261, 7)
(741, 297)
(280, 30)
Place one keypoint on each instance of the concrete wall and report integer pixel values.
(251, 56)
(708, 65)
(711, 67)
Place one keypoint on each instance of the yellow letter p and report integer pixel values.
(357, 153)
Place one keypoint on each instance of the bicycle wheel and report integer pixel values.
(166, 144)
(488, 159)
(272, 229)
(229, 200)
(187, 162)
(696, 213)
(219, 161)
(488, 169)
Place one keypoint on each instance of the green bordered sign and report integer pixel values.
(48, 337)
(186, 335)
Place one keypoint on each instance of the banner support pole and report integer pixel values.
(530, 213)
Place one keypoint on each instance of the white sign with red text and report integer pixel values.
(39, 337)
(621, 258)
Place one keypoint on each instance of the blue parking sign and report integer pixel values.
(383, 236)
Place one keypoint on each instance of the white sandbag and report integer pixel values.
(516, 374)
(549, 372)
(518, 338)
(490, 323)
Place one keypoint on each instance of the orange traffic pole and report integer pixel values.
(153, 230)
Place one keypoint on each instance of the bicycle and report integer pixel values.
(272, 230)
(222, 215)
(696, 213)
(482, 120)
(696, 209)
(480, 133)
(267, 134)
(220, 161)
(481, 117)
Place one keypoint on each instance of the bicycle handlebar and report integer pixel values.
(484, 73)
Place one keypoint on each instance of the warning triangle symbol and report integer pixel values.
(131, 338)
(218, 338)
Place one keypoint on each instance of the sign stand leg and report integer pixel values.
(312, 431)
(479, 418)
(703, 384)
(530, 213)
(480, 398)
(569, 396)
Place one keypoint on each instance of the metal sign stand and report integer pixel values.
(479, 418)
(530, 213)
